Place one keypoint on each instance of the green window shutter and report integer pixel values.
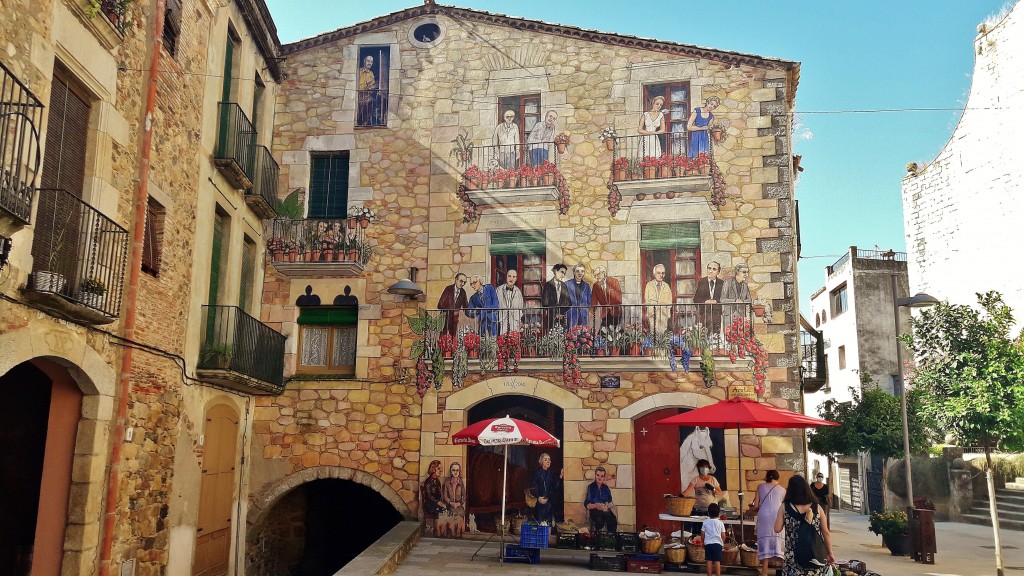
(328, 186)
(229, 53)
(518, 242)
(248, 276)
(215, 256)
(670, 236)
(329, 316)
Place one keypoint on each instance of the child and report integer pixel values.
(711, 532)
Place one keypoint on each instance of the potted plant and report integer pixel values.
(718, 132)
(613, 336)
(634, 336)
(352, 248)
(471, 341)
(91, 292)
(471, 177)
(488, 353)
(665, 164)
(649, 164)
(608, 137)
(463, 149)
(561, 141)
(216, 356)
(365, 253)
(620, 169)
(893, 527)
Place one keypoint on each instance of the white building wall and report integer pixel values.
(961, 211)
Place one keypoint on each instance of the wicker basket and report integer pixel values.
(695, 553)
(676, 555)
(650, 546)
(749, 559)
(680, 506)
(730, 556)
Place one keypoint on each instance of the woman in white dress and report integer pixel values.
(652, 124)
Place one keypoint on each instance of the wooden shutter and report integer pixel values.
(248, 276)
(328, 186)
(670, 236)
(152, 247)
(67, 133)
(518, 242)
(216, 251)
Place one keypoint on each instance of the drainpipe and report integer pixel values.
(134, 272)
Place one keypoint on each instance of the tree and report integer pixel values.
(971, 375)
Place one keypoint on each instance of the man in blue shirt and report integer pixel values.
(599, 502)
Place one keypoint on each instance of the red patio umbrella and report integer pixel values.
(743, 413)
(504, 432)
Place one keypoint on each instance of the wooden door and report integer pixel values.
(213, 530)
(657, 468)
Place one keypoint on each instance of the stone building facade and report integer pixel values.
(389, 109)
(969, 191)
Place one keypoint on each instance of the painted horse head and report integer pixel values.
(696, 446)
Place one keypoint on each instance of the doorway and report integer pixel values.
(217, 491)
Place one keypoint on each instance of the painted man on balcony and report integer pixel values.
(367, 96)
(607, 298)
(579, 297)
(737, 291)
(709, 293)
(452, 300)
(555, 297)
(510, 299)
(658, 297)
(483, 306)
(541, 138)
(599, 503)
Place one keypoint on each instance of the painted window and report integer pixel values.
(842, 357)
(373, 79)
(327, 339)
(328, 186)
(677, 106)
(838, 299)
(152, 247)
(527, 109)
(172, 26)
(248, 276)
(522, 251)
(677, 247)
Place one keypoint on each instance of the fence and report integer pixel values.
(372, 108)
(656, 156)
(511, 166)
(235, 341)
(265, 178)
(319, 240)
(21, 116)
(236, 139)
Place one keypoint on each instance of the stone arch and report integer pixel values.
(513, 385)
(269, 495)
(665, 400)
(92, 373)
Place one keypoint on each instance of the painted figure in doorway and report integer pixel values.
(658, 297)
(510, 300)
(541, 137)
(653, 126)
(709, 292)
(506, 138)
(483, 306)
(368, 96)
(555, 297)
(607, 298)
(452, 300)
(699, 127)
(579, 297)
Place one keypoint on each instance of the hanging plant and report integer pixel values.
(563, 193)
(743, 343)
(707, 364)
(469, 209)
(614, 198)
(510, 351)
(460, 362)
(579, 339)
(428, 327)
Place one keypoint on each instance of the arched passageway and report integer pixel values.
(317, 528)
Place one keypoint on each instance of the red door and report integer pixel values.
(657, 469)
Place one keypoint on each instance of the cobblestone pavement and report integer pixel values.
(964, 550)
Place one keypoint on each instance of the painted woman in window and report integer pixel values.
(699, 126)
(653, 124)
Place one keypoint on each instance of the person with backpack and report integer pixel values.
(808, 541)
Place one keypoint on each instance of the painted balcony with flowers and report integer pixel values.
(318, 247)
(502, 175)
(661, 166)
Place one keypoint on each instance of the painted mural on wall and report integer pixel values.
(372, 86)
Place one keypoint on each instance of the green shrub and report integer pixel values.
(889, 524)
(931, 478)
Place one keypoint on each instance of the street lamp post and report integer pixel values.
(919, 300)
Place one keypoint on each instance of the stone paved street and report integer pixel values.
(964, 550)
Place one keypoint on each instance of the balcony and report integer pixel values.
(317, 247)
(636, 337)
(641, 170)
(372, 108)
(512, 174)
(240, 352)
(235, 155)
(21, 115)
(262, 198)
(813, 374)
(79, 258)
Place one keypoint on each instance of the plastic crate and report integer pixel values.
(607, 541)
(514, 553)
(644, 564)
(628, 542)
(615, 563)
(534, 535)
(670, 567)
(569, 541)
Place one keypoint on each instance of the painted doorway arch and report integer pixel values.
(217, 489)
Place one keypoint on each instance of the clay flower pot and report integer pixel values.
(609, 143)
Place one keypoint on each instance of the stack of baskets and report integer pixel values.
(680, 506)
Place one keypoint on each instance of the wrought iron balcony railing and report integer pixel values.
(263, 196)
(236, 145)
(21, 115)
(656, 157)
(78, 253)
(240, 352)
(626, 330)
(813, 368)
(319, 246)
(511, 166)
(372, 108)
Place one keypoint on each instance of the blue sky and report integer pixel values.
(869, 55)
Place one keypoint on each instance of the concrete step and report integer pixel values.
(986, 520)
(1018, 485)
(1009, 496)
(981, 508)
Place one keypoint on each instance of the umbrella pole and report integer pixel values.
(739, 453)
(504, 490)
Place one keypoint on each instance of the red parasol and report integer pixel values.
(743, 413)
(504, 432)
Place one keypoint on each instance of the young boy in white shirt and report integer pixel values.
(711, 532)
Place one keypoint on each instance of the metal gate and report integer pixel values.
(876, 498)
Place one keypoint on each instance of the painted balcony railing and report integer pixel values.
(372, 108)
(235, 155)
(657, 157)
(626, 330)
(21, 116)
(263, 196)
(79, 257)
(511, 166)
(320, 246)
(240, 352)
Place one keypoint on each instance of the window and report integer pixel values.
(677, 247)
(677, 106)
(824, 316)
(372, 86)
(527, 109)
(232, 58)
(838, 299)
(218, 254)
(152, 247)
(67, 130)
(522, 251)
(817, 320)
(248, 277)
(842, 357)
(327, 339)
(328, 186)
(172, 26)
